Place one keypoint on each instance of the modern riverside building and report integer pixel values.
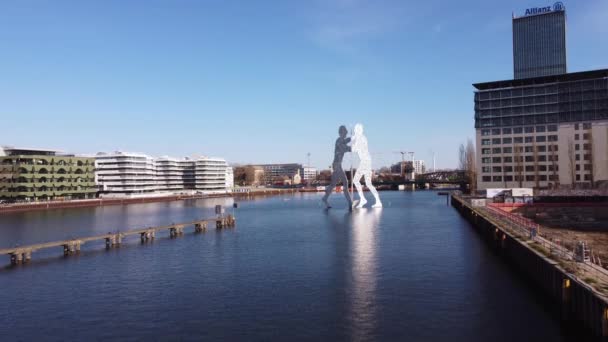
(308, 173)
(123, 173)
(174, 174)
(539, 131)
(229, 178)
(539, 42)
(280, 172)
(37, 174)
(210, 174)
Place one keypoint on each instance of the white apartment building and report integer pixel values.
(173, 174)
(419, 167)
(125, 173)
(128, 174)
(210, 174)
(229, 178)
(308, 173)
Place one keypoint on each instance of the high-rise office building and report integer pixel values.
(546, 127)
(539, 42)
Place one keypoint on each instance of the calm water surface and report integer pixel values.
(290, 270)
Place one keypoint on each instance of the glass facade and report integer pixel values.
(539, 45)
(571, 97)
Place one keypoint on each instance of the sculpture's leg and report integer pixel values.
(356, 180)
(329, 189)
(349, 200)
(372, 189)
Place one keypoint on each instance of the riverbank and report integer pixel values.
(98, 202)
(576, 290)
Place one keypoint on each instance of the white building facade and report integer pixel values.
(136, 174)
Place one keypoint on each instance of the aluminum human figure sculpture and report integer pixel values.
(338, 173)
(359, 146)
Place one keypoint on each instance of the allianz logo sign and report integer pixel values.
(558, 6)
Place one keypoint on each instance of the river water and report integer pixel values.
(290, 270)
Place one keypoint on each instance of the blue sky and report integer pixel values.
(261, 81)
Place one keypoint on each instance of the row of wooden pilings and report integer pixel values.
(24, 254)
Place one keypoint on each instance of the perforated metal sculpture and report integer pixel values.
(338, 173)
(359, 146)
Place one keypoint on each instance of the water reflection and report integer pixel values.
(363, 266)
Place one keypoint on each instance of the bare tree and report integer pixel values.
(572, 163)
(591, 159)
(535, 156)
(553, 156)
(462, 157)
(466, 162)
(470, 163)
(519, 167)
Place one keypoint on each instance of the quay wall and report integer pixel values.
(12, 208)
(579, 306)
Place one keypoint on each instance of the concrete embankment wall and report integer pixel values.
(577, 304)
(122, 201)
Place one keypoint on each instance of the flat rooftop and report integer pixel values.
(572, 76)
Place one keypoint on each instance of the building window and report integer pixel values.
(578, 177)
(518, 140)
(508, 159)
(485, 151)
(517, 130)
(578, 157)
(485, 160)
(587, 177)
(542, 158)
(586, 136)
(553, 167)
(507, 150)
(497, 178)
(540, 129)
(496, 150)
(543, 178)
(587, 147)
(577, 137)
(552, 128)
(587, 167)
(495, 159)
(486, 179)
(485, 132)
(553, 157)
(542, 167)
(541, 148)
(554, 178)
(541, 138)
(576, 127)
(508, 168)
(529, 168)
(485, 169)
(496, 131)
(578, 167)
(552, 138)
(485, 141)
(507, 140)
(496, 169)
(587, 157)
(529, 148)
(529, 139)
(508, 178)
(529, 178)
(529, 129)
(496, 141)
(587, 125)
(577, 147)
(506, 131)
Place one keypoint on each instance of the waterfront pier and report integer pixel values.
(23, 254)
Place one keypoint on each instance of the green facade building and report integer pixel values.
(35, 175)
